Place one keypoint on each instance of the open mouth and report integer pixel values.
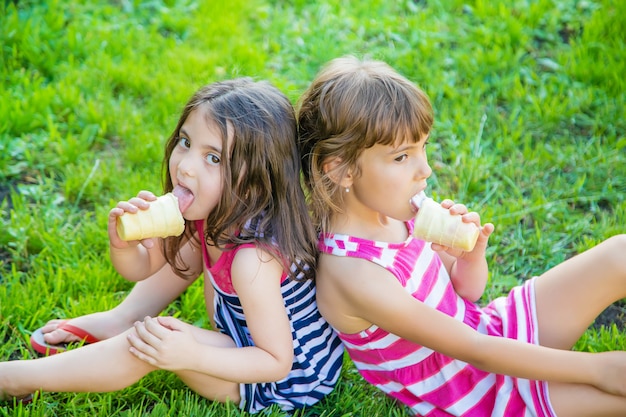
(185, 197)
(416, 201)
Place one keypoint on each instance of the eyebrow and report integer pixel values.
(183, 132)
(403, 147)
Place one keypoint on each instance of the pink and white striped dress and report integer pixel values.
(429, 383)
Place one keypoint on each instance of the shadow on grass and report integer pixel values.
(614, 314)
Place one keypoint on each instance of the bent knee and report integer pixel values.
(615, 252)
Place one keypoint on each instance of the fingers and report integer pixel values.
(146, 340)
(133, 205)
(114, 237)
(151, 330)
(455, 208)
(468, 216)
(157, 342)
(471, 217)
(171, 323)
(142, 351)
(141, 202)
(487, 229)
(479, 249)
(146, 195)
(148, 243)
(52, 325)
(439, 248)
(447, 203)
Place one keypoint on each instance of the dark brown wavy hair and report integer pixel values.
(262, 200)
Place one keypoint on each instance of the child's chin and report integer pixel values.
(191, 217)
(405, 218)
(195, 215)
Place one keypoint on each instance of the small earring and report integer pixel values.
(347, 189)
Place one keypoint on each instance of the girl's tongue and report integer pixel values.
(185, 197)
(417, 200)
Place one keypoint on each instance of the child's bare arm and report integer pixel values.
(256, 277)
(172, 346)
(134, 260)
(379, 299)
(468, 270)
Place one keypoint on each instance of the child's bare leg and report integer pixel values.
(571, 295)
(104, 367)
(100, 367)
(209, 387)
(147, 298)
(571, 400)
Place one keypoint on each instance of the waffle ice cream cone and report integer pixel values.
(434, 223)
(162, 219)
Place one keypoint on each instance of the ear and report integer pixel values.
(337, 172)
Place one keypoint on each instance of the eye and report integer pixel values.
(401, 158)
(213, 159)
(184, 142)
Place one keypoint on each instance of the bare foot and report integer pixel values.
(101, 325)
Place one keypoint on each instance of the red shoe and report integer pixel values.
(44, 348)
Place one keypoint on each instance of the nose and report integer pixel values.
(184, 166)
(423, 169)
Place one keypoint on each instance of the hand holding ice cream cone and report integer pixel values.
(435, 224)
(162, 219)
(147, 216)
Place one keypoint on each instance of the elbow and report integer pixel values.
(474, 298)
(284, 372)
(281, 368)
(284, 368)
(470, 294)
(469, 290)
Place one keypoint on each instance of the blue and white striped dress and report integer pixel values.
(318, 352)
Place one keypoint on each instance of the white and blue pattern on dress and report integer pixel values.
(318, 352)
(317, 349)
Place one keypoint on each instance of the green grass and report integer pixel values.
(530, 131)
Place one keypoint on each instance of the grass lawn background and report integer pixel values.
(530, 113)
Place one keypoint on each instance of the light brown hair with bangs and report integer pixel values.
(350, 106)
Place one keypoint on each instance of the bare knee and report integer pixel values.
(615, 253)
(211, 388)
